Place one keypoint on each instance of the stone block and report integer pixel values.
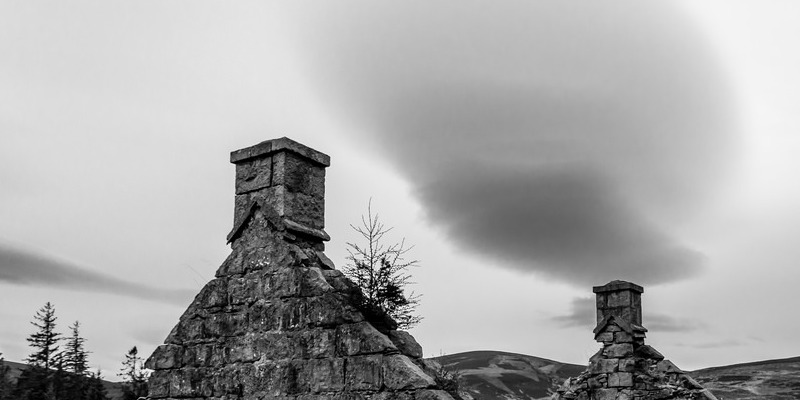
(244, 290)
(331, 309)
(313, 282)
(292, 314)
(646, 351)
(325, 375)
(262, 315)
(325, 261)
(623, 337)
(166, 356)
(618, 350)
(628, 365)
(189, 382)
(231, 266)
(620, 379)
(223, 325)
(604, 366)
(319, 342)
(285, 283)
(666, 366)
(406, 343)
(604, 394)
(619, 299)
(298, 175)
(213, 294)
(253, 175)
(604, 337)
(364, 372)
(187, 330)
(243, 349)
(361, 338)
(280, 345)
(399, 373)
(159, 384)
(596, 381)
(339, 282)
(304, 209)
(199, 355)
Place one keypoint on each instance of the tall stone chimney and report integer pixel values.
(286, 176)
(279, 321)
(625, 368)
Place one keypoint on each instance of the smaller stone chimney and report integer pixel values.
(625, 368)
(620, 299)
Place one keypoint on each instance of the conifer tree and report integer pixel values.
(74, 354)
(133, 375)
(45, 340)
(37, 382)
(380, 271)
(94, 388)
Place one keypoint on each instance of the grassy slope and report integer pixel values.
(494, 375)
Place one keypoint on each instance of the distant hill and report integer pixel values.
(494, 375)
(770, 379)
(114, 389)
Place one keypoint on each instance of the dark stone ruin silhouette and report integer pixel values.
(625, 368)
(279, 321)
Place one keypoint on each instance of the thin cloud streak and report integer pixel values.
(583, 315)
(21, 267)
(562, 160)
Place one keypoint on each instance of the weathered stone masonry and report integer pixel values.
(625, 368)
(278, 321)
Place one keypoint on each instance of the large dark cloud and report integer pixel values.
(22, 267)
(562, 138)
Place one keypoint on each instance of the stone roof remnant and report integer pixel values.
(278, 321)
(625, 368)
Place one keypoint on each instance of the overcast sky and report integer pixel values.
(529, 150)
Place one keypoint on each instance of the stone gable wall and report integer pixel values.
(278, 321)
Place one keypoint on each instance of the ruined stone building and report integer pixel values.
(279, 321)
(625, 368)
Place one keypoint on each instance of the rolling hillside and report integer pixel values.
(770, 379)
(494, 375)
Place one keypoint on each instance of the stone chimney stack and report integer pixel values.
(287, 176)
(625, 368)
(620, 299)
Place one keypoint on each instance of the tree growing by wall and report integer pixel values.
(133, 375)
(380, 269)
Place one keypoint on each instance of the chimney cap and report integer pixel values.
(618, 285)
(268, 147)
